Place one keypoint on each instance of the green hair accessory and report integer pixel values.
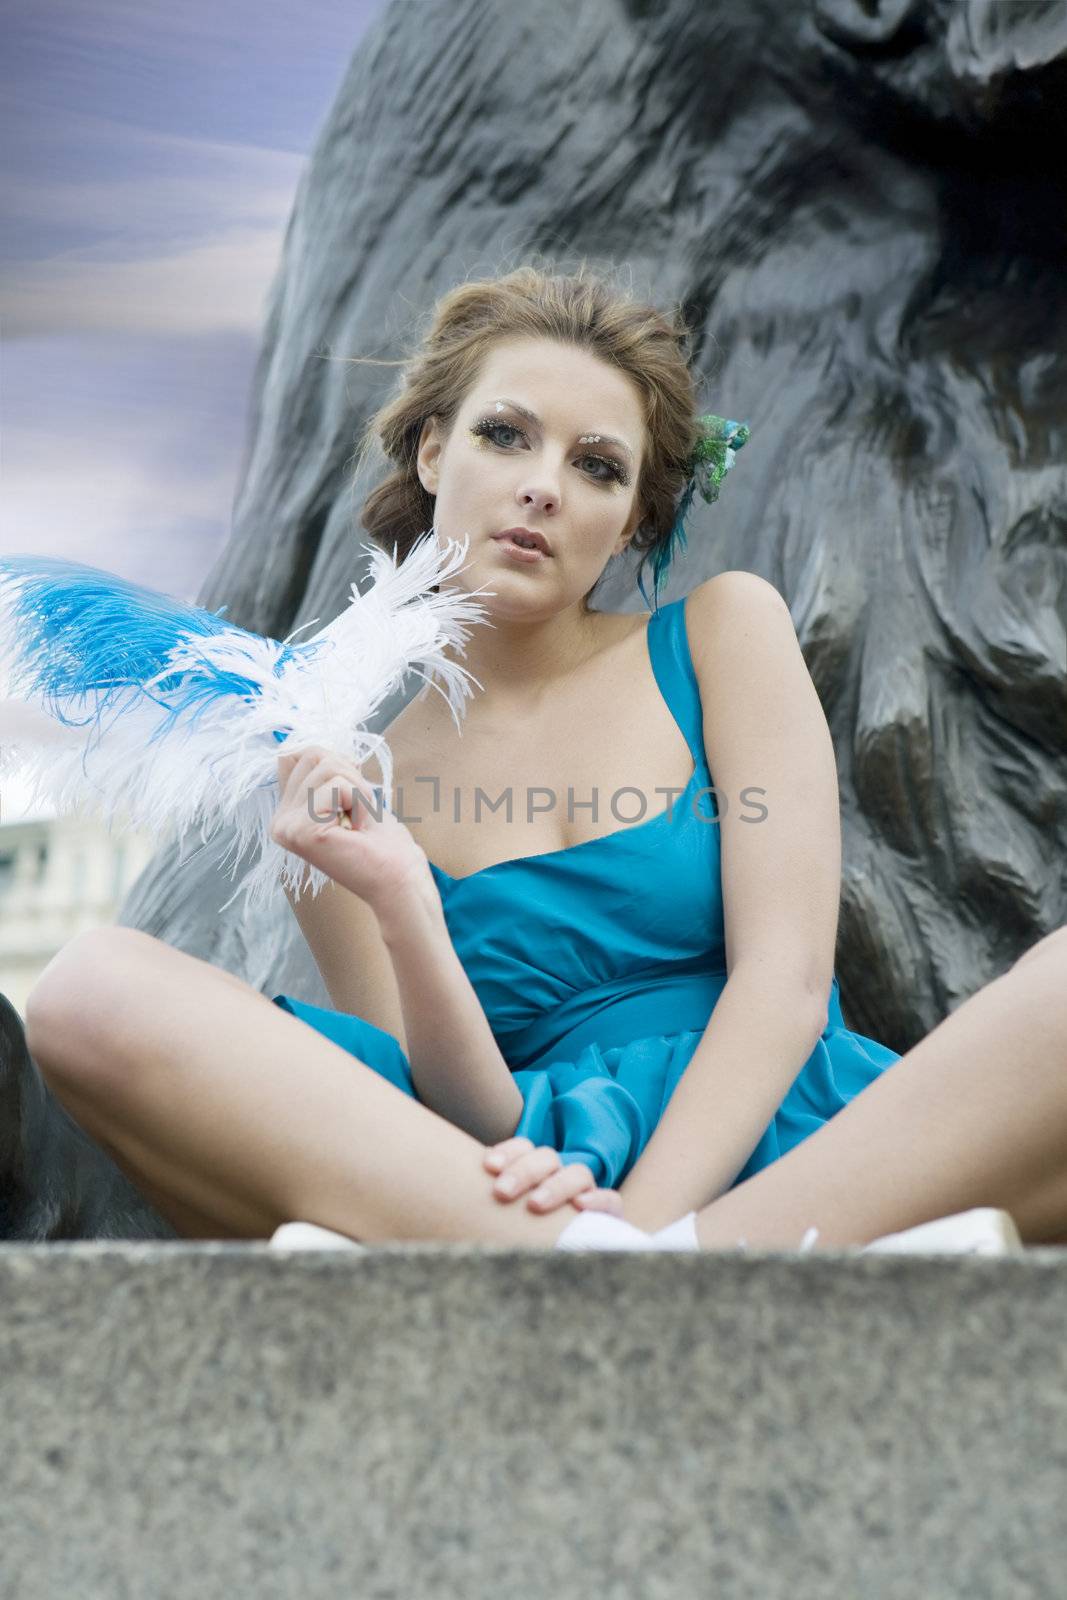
(713, 456)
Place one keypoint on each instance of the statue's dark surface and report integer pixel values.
(862, 206)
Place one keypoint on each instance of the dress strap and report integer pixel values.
(672, 664)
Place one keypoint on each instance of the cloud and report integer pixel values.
(190, 250)
(216, 287)
(124, 453)
(111, 505)
(122, 500)
(148, 183)
(75, 496)
(200, 32)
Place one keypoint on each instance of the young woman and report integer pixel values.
(596, 928)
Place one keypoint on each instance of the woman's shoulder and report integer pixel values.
(735, 595)
(736, 587)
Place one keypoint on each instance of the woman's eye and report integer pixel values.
(610, 470)
(491, 429)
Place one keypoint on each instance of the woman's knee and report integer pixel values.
(76, 988)
(1052, 944)
(1040, 977)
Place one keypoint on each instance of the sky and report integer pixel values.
(149, 157)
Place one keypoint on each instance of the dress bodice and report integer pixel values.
(594, 940)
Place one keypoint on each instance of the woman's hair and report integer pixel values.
(583, 309)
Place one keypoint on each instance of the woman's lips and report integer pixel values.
(518, 552)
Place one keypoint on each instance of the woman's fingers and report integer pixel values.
(499, 1155)
(600, 1200)
(311, 768)
(317, 787)
(523, 1167)
(294, 772)
(328, 793)
(297, 764)
(526, 1171)
(331, 773)
(552, 1183)
(563, 1186)
(331, 816)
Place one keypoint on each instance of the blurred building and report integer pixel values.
(58, 875)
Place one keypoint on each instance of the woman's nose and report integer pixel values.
(543, 499)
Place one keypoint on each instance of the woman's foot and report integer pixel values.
(600, 1230)
(309, 1236)
(589, 1230)
(983, 1231)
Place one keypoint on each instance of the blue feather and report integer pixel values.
(79, 644)
(84, 633)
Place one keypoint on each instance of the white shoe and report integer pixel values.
(589, 1230)
(309, 1236)
(984, 1231)
(602, 1230)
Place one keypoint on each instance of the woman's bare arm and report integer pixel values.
(455, 1060)
(403, 975)
(379, 935)
(342, 934)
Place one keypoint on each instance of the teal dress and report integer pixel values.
(598, 966)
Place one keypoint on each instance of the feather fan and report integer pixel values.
(123, 702)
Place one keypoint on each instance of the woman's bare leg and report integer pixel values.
(233, 1116)
(974, 1115)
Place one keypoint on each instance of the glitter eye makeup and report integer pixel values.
(488, 427)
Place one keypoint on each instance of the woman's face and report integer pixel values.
(566, 465)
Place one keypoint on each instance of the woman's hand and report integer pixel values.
(327, 815)
(525, 1165)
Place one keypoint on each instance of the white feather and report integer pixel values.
(168, 775)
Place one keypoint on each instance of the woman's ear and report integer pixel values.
(630, 529)
(427, 457)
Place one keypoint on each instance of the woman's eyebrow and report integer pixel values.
(531, 416)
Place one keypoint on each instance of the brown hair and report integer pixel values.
(582, 308)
